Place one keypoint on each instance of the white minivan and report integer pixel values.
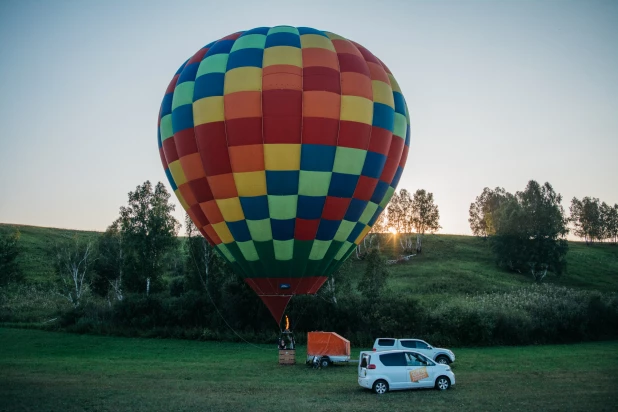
(401, 369)
(439, 355)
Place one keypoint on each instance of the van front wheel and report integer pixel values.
(443, 360)
(443, 383)
(380, 387)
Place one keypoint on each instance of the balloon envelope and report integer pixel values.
(284, 145)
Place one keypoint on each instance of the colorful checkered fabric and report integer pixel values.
(284, 145)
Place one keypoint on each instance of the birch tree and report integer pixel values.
(425, 216)
(72, 264)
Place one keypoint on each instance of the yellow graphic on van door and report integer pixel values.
(418, 374)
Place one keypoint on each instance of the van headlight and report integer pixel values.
(448, 368)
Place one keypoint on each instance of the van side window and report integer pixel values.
(393, 359)
(410, 344)
(386, 342)
(421, 345)
(413, 359)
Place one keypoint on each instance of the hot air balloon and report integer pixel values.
(283, 144)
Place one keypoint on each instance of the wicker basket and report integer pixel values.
(287, 356)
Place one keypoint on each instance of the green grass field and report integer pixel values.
(45, 371)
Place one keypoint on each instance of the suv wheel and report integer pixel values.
(380, 387)
(443, 360)
(443, 383)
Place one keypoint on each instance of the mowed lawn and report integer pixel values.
(44, 371)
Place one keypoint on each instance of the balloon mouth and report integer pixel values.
(277, 292)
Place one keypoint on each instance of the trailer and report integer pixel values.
(326, 348)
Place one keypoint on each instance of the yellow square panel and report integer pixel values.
(282, 55)
(356, 109)
(208, 110)
(250, 183)
(243, 79)
(382, 93)
(315, 40)
(177, 173)
(230, 209)
(224, 233)
(282, 156)
(362, 234)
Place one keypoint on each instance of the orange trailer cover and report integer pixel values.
(327, 343)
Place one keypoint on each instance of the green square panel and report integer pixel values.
(225, 252)
(370, 209)
(247, 271)
(333, 248)
(349, 160)
(344, 249)
(313, 183)
(319, 249)
(166, 127)
(401, 125)
(387, 197)
(248, 250)
(344, 230)
(216, 63)
(183, 94)
(260, 230)
(284, 249)
(283, 29)
(250, 41)
(282, 207)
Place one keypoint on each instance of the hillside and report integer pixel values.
(449, 264)
(37, 245)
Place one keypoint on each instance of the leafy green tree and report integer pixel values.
(609, 216)
(483, 211)
(373, 282)
(110, 265)
(148, 231)
(530, 232)
(425, 216)
(9, 251)
(586, 218)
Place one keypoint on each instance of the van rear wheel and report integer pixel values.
(380, 387)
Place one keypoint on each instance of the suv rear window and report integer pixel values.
(408, 344)
(394, 359)
(386, 342)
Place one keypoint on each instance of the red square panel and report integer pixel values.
(185, 142)
(212, 144)
(319, 130)
(335, 208)
(201, 190)
(244, 131)
(306, 229)
(380, 140)
(354, 134)
(169, 148)
(365, 188)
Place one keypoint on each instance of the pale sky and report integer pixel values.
(499, 92)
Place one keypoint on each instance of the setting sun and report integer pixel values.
(392, 230)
